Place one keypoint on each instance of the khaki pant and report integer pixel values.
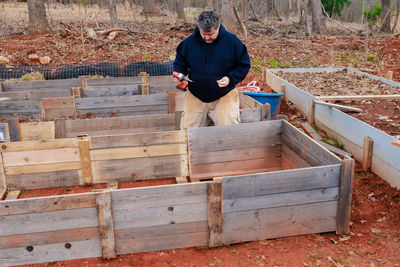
(223, 111)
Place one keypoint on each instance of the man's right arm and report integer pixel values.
(180, 62)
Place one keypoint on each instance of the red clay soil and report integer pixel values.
(374, 239)
(382, 114)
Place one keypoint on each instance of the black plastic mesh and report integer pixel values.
(105, 69)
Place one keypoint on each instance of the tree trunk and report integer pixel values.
(112, 10)
(180, 8)
(150, 8)
(385, 17)
(272, 10)
(38, 23)
(227, 15)
(397, 16)
(209, 4)
(316, 11)
(305, 15)
(244, 8)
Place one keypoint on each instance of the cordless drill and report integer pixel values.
(183, 79)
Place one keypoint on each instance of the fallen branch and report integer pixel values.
(329, 18)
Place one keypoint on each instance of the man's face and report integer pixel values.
(209, 36)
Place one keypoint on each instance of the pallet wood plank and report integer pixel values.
(138, 140)
(41, 130)
(50, 253)
(251, 115)
(235, 167)
(58, 102)
(60, 84)
(43, 180)
(3, 184)
(38, 168)
(15, 130)
(234, 136)
(162, 242)
(40, 145)
(52, 237)
(121, 101)
(28, 157)
(138, 152)
(161, 215)
(235, 154)
(215, 214)
(181, 179)
(85, 161)
(281, 199)
(106, 225)
(280, 222)
(48, 221)
(171, 102)
(281, 181)
(46, 204)
(155, 196)
(59, 129)
(112, 81)
(131, 122)
(290, 160)
(35, 95)
(346, 187)
(139, 168)
(20, 109)
(307, 148)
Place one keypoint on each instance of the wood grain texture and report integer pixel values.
(46, 204)
(35, 95)
(44, 167)
(28, 157)
(346, 188)
(85, 161)
(60, 84)
(281, 181)
(50, 253)
(43, 180)
(106, 224)
(52, 237)
(37, 130)
(58, 102)
(367, 153)
(290, 160)
(40, 145)
(279, 222)
(139, 168)
(20, 109)
(48, 221)
(138, 139)
(281, 199)
(215, 214)
(305, 147)
(15, 130)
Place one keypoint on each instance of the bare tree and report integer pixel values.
(227, 15)
(385, 16)
(150, 8)
(272, 10)
(112, 10)
(316, 11)
(38, 23)
(397, 16)
(209, 4)
(177, 6)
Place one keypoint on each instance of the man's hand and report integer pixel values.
(223, 82)
(177, 82)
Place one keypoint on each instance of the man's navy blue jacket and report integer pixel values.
(207, 63)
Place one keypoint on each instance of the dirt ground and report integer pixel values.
(375, 219)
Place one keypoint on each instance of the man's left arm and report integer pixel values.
(242, 64)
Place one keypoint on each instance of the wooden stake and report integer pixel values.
(389, 75)
(311, 115)
(1, 85)
(76, 92)
(215, 214)
(83, 82)
(106, 224)
(181, 180)
(15, 130)
(144, 77)
(86, 165)
(59, 128)
(344, 203)
(283, 90)
(367, 153)
(171, 102)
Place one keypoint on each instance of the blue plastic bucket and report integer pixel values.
(273, 99)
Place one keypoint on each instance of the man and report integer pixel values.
(216, 60)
